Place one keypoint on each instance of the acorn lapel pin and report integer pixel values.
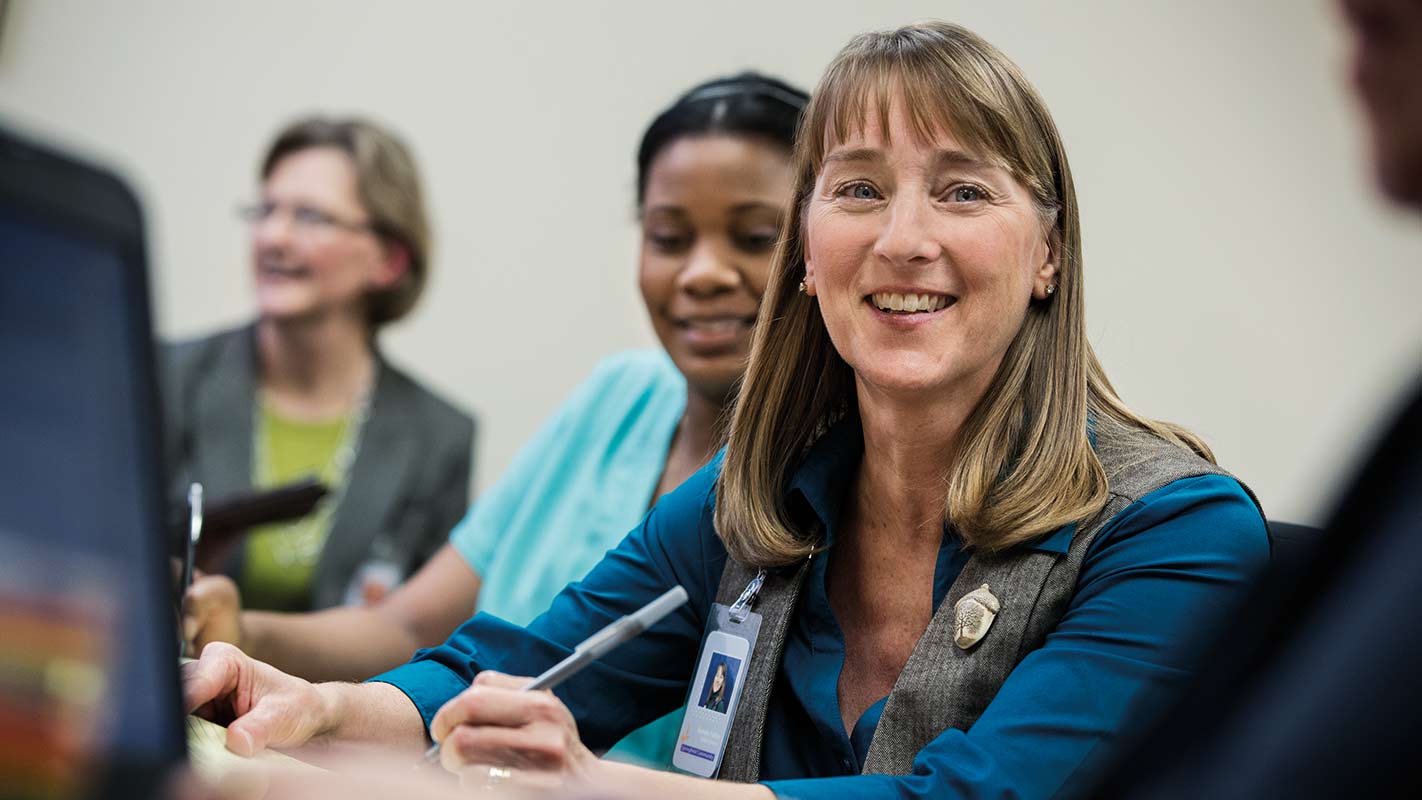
(973, 615)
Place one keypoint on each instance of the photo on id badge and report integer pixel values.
(711, 704)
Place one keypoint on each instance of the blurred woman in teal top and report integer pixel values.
(713, 175)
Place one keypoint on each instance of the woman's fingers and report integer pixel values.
(277, 720)
(496, 700)
(267, 707)
(212, 612)
(491, 678)
(496, 722)
(534, 747)
(212, 677)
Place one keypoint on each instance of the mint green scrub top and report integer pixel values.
(571, 494)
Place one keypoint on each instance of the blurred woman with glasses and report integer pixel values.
(340, 246)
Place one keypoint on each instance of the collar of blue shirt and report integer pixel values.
(823, 479)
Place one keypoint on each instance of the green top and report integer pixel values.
(281, 558)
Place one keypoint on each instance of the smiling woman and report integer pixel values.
(969, 559)
(940, 173)
(339, 248)
(704, 259)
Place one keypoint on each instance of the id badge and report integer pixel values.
(716, 689)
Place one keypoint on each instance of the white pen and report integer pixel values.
(597, 646)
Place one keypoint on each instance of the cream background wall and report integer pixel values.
(1243, 278)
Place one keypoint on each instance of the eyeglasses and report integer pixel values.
(303, 218)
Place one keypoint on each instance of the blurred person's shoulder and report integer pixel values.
(186, 364)
(633, 376)
(186, 353)
(408, 396)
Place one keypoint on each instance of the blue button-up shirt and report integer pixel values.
(1174, 560)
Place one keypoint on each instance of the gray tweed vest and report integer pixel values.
(943, 686)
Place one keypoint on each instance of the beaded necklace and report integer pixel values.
(299, 542)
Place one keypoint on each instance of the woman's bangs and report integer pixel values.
(870, 87)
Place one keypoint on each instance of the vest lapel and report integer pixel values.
(222, 411)
(384, 463)
(223, 403)
(776, 605)
(945, 686)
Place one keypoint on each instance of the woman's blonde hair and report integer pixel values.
(388, 185)
(1024, 464)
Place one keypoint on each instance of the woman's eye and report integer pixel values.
(305, 215)
(967, 194)
(859, 191)
(668, 242)
(756, 241)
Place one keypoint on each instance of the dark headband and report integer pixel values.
(756, 89)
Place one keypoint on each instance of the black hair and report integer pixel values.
(748, 104)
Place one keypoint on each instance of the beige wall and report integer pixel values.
(1243, 278)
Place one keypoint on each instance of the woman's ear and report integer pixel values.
(1044, 284)
(807, 284)
(802, 232)
(394, 265)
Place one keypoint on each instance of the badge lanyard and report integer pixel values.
(716, 684)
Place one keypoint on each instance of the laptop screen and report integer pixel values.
(87, 631)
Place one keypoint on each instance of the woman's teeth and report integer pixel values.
(910, 303)
(280, 267)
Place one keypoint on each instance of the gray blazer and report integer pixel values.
(408, 486)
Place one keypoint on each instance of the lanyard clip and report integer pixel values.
(741, 607)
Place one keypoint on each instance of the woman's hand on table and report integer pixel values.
(260, 705)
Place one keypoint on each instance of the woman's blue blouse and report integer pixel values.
(1173, 562)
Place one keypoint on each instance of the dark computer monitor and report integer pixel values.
(88, 650)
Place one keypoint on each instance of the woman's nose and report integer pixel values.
(907, 238)
(272, 230)
(707, 271)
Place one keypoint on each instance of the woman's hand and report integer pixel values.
(212, 612)
(494, 733)
(260, 705)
